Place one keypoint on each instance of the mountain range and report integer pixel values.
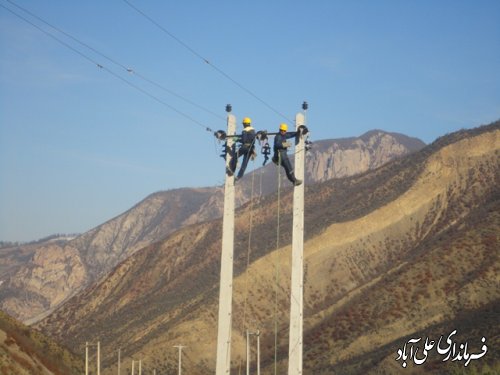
(403, 253)
(37, 278)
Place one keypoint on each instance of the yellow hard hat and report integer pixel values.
(247, 120)
(283, 126)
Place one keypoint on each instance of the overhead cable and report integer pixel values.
(190, 49)
(86, 57)
(127, 69)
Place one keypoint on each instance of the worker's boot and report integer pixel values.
(297, 182)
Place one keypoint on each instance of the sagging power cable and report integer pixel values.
(88, 58)
(128, 69)
(205, 60)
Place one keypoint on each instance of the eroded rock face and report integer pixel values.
(54, 274)
(336, 159)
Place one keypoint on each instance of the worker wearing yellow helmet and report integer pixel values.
(281, 146)
(247, 140)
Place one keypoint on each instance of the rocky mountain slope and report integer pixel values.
(24, 351)
(350, 156)
(36, 279)
(407, 250)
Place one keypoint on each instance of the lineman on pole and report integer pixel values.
(247, 140)
(281, 146)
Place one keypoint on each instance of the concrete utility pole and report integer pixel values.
(180, 357)
(87, 345)
(140, 367)
(257, 333)
(297, 277)
(86, 358)
(248, 352)
(98, 358)
(258, 352)
(226, 273)
(119, 361)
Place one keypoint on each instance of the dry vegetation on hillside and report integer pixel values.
(26, 351)
(408, 249)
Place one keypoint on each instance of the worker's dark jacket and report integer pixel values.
(279, 139)
(247, 136)
(247, 140)
(280, 153)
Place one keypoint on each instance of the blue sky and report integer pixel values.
(79, 145)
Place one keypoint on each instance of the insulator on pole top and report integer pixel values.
(228, 108)
(305, 106)
(220, 135)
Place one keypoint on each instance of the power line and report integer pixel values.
(86, 57)
(52, 36)
(128, 69)
(199, 56)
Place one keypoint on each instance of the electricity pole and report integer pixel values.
(180, 357)
(118, 361)
(257, 334)
(86, 358)
(87, 345)
(140, 366)
(297, 278)
(258, 352)
(226, 273)
(98, 358)
(248, 352)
